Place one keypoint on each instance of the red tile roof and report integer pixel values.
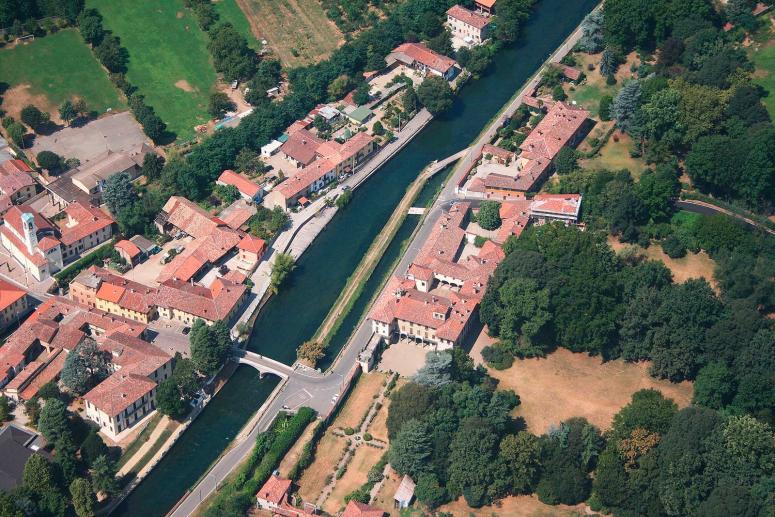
(468, 17)
(560, 204)
(9, 294)
(189, 217)
(358, 509)
(274, 490)
(297, 184)
(210, 304)
(128, 247)
(501, 153)
(301, 146)
(111, 293)
(555, 130)
(244, 185)
(252, 244)
(14, 176)
(574, 74)
(87, 221)
(422, 54)
(119, 391)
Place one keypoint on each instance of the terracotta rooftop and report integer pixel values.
(556, 129)
(274, 490)
(358, 509)
(244, 185)
(558, 204)
(189, 217)
(422, 54)
(128, 247)
(252, 244)
(301, 146)
(14, 176)
(82, 221)
(468, 17)
(210, 304)
(9, 294)
(300, 182)
(119, 391)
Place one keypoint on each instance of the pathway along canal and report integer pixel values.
(293, 316)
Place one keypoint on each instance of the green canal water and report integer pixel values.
(292, 316)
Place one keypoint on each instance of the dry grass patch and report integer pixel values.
(384, 498)
(615, 155)
(297, 31)
(693, 265)
(292, 457)
(516, 506)
(360, 399)
(567, 384)
(364, 458)
(328, 453)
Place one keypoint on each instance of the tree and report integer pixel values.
(626, 104)
(231, 54)
(82, 497)
(522, 315)
(472, 454)
(93, 447)
(210, 345)
(32, 410)
(409, 100)
(53, 422)
(38, 475)
(118, 193)
(311, 351)
(90, 26)
(103, 475)
(283, 265)
(219, 104)
(648, 410)
(520, 452)
(604, 108)
(111, 55)
(511, 14)
(591, 40)
(442, 43)
(489, 216)
(609, 62)
(657, 189)
(674, 247)
(152, 166)
(50, 161)
(175, 393)
(67, 111)
(361, 95)
(429, 492)
(410, 450)
(5, 409)
(566, 161)
(409, 402)
(84, 367)
(437, 370)
(16, 131)
(339, 87)
(435, 94)
(34, 118)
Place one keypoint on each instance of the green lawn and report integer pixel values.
(168, 58)
(56, 68)
(616, 156)
(229, 11)
(764, 59)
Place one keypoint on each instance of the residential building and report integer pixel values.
(84, 228)
(358, 509)
(247, 189)
(35, 353)
(129, 393)
(405, 493)
(251, 249)
(17, 445)
(86, 182)
(273, 496)
(14, 304)
(555, 207)
(300, 147)
(436, 302)
(486, 7)
(129, 251)
(16, 184)
(332, 160)
(423, 59)
(104, 290)
(358, 114)
(473, 28)
(509, 179)
(186, 302)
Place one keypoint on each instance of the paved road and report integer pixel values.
(315, 391)
(701, 207)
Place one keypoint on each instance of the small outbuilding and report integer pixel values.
(129, 251)
(405, 493)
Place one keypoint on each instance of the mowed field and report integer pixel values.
(52, 69)
(229, 11)
(764, 59)
(168, 58)
(297, 31)
(566, 384)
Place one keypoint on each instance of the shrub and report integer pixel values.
(497, 357)
(367, 437)
(349, 431)
(674, 247)
(479, 241)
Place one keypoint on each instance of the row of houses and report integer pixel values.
(436, 301)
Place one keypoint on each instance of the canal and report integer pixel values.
(292, 316)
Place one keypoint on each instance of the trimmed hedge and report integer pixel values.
(271, 446)
(64, 277)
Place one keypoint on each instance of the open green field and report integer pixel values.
(229, 11)
(52, 69)
(168, 58)
(764, 59)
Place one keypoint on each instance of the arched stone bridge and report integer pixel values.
(263, 364)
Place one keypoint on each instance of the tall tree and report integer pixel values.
(411, 449)
(82, 497)
(119, 193)
(53, 422)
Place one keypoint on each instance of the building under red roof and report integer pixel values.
(468, 17)
(275, 490)
(247, 188)
(417, 55)
(358, 509)
(10, 294)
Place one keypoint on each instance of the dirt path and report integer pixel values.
(158, 430)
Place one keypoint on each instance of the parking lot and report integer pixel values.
(147, 272)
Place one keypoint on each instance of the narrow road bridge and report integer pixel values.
(440, 164)
(263, 364)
